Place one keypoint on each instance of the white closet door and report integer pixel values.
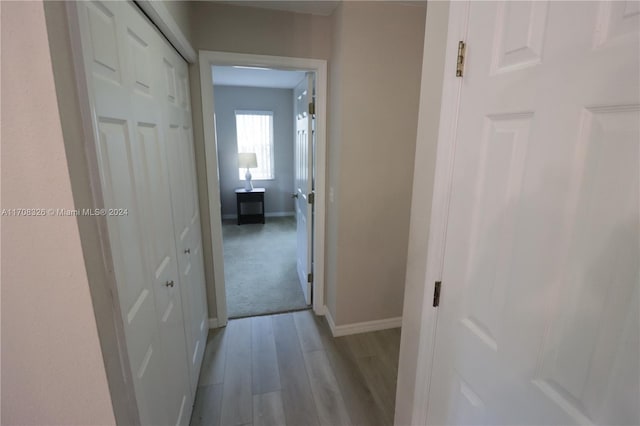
(126, 61)
(153, 181)
(186, 217)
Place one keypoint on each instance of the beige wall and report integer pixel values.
(428, 124)
(229, 28)
(374, 94)
(374, 51)
(52, 368)
(181, 12)
(334, 125)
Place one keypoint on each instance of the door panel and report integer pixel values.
(519, 35)
(580, 348)
(104, 40)
(303, 167)
(135, 291)
(116, 138)
(538, 321)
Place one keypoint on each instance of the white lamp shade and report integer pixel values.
(247, 160)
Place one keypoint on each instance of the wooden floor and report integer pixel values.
(287, 369)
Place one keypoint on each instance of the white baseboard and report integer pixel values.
(213, 322)
(360, 327)
(272, 214)
(332, 324)
(279, 214)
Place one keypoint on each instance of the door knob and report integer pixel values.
(187, 251)
(295, 195)
(170, 283)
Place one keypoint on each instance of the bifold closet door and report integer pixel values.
(134, 78)
(186, 217)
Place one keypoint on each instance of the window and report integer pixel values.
(254, 131)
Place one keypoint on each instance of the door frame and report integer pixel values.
(319, 66)
(445, 155)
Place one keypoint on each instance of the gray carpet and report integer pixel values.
(260, 268)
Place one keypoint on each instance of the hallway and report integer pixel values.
(288, 369)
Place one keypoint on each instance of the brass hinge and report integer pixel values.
(436, 294)
(312, 108)
(460, 62)
(311, 197)
(310, 278)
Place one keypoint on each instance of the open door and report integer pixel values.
(538, 307)
(304, 110)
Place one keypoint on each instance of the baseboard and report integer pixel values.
(213, 322)
(272, 214)
(279, 214)
(332, 324)
(360, 327)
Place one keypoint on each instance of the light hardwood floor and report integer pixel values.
(287, 369)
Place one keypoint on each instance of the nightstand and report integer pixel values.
(256, 195)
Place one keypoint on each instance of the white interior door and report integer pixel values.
(303, 97)
(538, 319)
(125, 59)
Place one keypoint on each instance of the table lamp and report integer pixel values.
(247, 160)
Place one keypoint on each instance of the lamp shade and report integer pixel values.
(247, 160)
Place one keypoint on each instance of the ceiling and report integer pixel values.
(314, 7)
(278, 79)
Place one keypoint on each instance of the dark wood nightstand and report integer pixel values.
(256, 195)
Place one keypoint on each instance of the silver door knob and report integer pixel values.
(187, 251)
(170, 283)
(294, 195)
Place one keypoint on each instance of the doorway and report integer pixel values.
(254, 254)
(256, 117)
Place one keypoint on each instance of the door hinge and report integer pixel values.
(311, 197)
(436, 294)
(309, 277)
(460, 62)
(312, 108)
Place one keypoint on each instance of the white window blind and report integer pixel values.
(254, 131)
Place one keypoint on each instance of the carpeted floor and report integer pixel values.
(260, 268)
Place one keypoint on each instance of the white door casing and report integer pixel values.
(207, 60)
(303, 174)
(127, 88)
(538, 318)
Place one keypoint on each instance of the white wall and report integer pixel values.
(230, 98)
(374, 85)
(52, 367)
(428, 124)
